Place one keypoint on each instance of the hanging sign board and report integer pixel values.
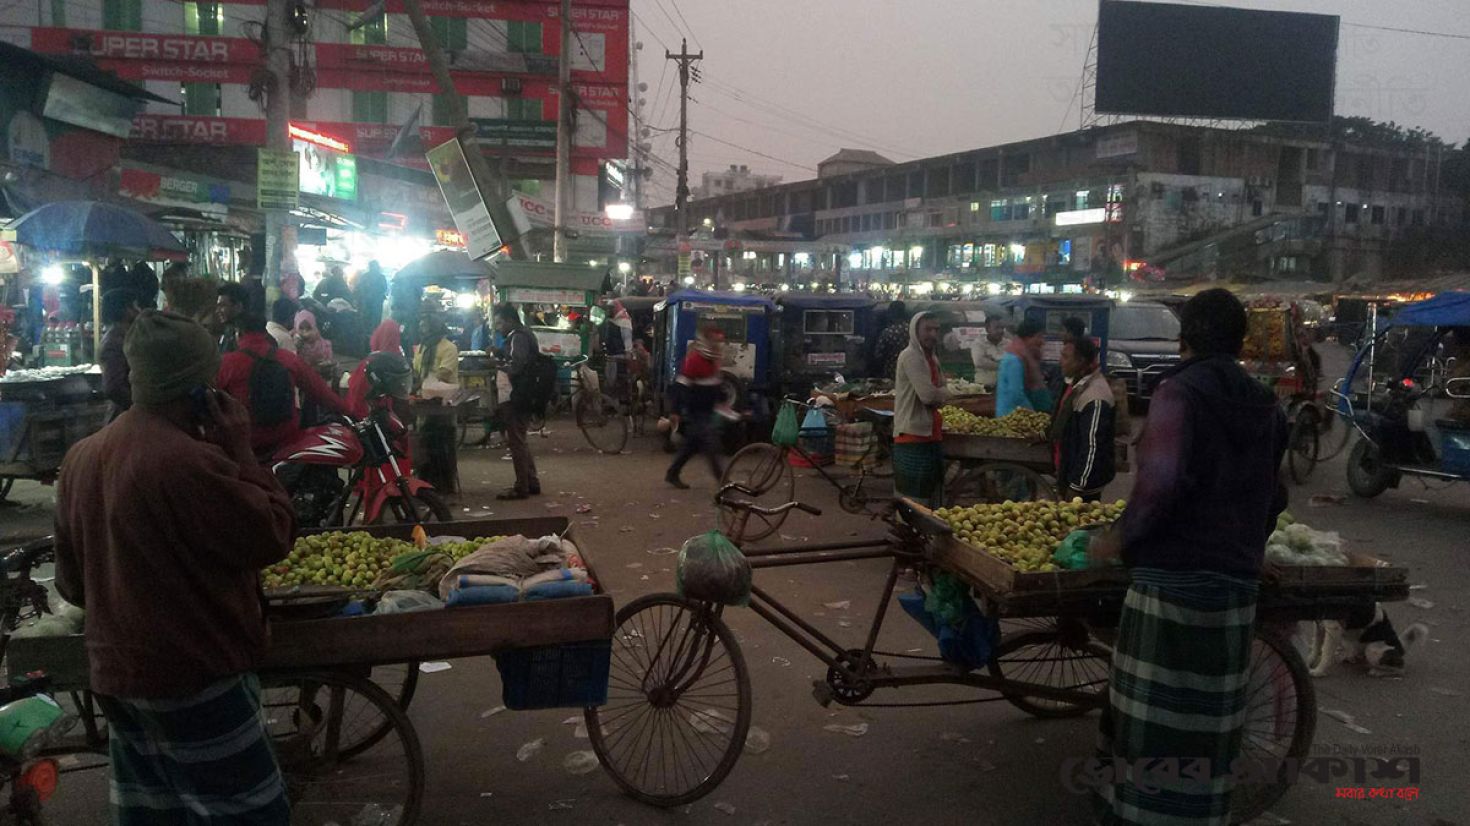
(465, 201)
(277, 179)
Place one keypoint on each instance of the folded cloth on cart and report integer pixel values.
(966, 636)
(514, 567)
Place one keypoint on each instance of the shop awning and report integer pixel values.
(508, 273)
(1444, 310)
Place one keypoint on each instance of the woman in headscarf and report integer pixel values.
(311, 346)
(387, 338)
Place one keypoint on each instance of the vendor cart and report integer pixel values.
(335, 687)
(681, 655)
(1000, 468)
(41, 416)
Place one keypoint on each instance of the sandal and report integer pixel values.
(512, 493)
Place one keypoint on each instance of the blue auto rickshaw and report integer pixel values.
(820, 336)
(746, 322)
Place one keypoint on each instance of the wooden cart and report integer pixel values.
(335, 688)
(998, 468)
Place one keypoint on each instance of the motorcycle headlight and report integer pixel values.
(1117, 359)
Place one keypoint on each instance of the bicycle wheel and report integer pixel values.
(678, 701)
(1054, 658)
(399, 681)
(1332, 436)
(322, 713)
(760, 467)
(1280, 721)
(602, 422)
(993, 483)
(1304, 445)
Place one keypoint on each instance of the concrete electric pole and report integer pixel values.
(277, 129)
(681, 194)
(493, 185)
(564, 109)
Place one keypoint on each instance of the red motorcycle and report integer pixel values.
(380, 483)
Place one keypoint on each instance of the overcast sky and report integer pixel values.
(798, 79)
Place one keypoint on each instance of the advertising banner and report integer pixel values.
(466, 202)
(277, 178)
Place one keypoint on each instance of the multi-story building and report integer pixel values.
(738, 178)
(1190, 202)
(360, 87)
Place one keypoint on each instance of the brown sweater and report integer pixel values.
(159, 536)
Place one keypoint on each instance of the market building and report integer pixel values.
(1142, 200)
(738, 178)
(364, 110)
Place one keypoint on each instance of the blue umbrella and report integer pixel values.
(93, 227)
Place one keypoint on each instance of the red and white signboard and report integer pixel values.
(539, 213)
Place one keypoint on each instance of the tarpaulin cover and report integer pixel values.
(1444, 310)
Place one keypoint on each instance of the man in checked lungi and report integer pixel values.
(1194, 535)
(163, 520)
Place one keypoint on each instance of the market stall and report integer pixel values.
(345, 656)
(43, 412)
(1005, 459)
(555, 301)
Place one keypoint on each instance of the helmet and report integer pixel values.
(388, 374)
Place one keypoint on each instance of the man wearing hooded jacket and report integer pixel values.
(918, 430)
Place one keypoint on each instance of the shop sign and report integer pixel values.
(1081, 217)
(559, 344)
(277, 179)
(151, 186)
(327, 173)
(544, 295)
(9, 262)
(448, 238)
(516, 134)
(466, 202)
(543, 214)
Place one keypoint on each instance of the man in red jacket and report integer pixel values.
(697, 392)
(237, 367)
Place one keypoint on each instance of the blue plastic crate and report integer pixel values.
(1455, 450)
(571, 675)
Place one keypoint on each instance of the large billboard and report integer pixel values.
(1215, 62)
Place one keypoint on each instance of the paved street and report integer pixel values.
(986, 763)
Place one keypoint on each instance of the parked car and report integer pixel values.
(1143, 343)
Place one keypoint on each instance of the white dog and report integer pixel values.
(1370, 638)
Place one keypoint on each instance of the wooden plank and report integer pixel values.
(997, 449)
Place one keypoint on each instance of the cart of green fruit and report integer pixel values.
(338, 675)
(1058, 623)
(996, 460)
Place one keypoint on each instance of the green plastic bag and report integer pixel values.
(1071, 554)
(786, 431)
(712, 569)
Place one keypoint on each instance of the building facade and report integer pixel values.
(738, 178)
(1142, 198)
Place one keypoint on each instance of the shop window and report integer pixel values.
(372, 34)
(1377, 216)
(1055, 205)
(523, 38)
(122, 15)
(523, 108)
(369, 107)
(1081, 199)
(890, 220)
(1020, 212)
(867, 223)
(935, 219)
(1350, 213)
(204, 18)
(1257, 209)
(1000, 210)
(201, 99)
(1064, 252)
(451, 32)
(1314, 159)
(444, 110)
(1402, 217)
(1323, 208)
(1418, 217)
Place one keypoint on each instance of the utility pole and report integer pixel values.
(681, 194)
(277, 129)
(492, 183)
(563, 136)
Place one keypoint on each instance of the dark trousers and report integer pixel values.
(520, 449)
(700, 436)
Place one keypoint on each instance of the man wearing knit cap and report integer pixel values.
(163, 519)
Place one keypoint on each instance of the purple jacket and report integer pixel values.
(1208, 487)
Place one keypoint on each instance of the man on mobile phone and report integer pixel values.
(163, 520)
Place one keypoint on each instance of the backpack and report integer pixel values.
(539, 386)
(272, 392)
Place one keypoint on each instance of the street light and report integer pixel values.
(53, 275)
(624, 267)
(619, 212)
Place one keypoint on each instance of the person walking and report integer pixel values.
(266, 379)
(119, 310)
(231, 303)
(918, 428)
(1206, 497)
(518, 359)
(698, 390)
(1021, 385)
(163, 519)
(370, 292)
(891, 341)
(283, 317)
(1082, 429)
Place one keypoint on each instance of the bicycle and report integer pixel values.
(598, 415)
(679, 700)
(764, 469)
(1313, 422)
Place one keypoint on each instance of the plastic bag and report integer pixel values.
(1072, 552)
(404, 602)
(712, 569)
(786, 430)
